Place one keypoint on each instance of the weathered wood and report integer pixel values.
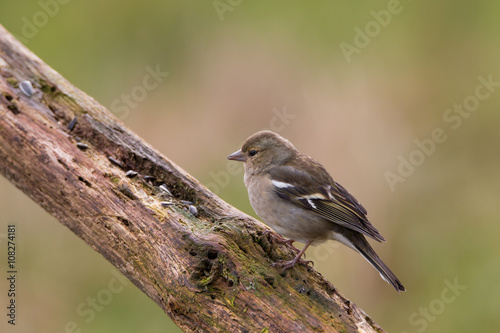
(210, 272)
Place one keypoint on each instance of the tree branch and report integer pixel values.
(209, 272)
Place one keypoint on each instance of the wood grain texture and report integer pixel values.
(210, 272)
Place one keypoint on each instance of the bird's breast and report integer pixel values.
(284, 217)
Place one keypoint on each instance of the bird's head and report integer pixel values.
(264, 150)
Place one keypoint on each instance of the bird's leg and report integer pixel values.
(280, 239)
(289, 264)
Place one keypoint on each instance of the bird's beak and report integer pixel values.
(237, 156)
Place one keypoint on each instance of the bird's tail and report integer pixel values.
(364, 248)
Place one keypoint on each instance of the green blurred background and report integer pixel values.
(236, 67)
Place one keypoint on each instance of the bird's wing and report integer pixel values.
(330, 201)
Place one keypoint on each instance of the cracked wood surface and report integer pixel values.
(210, 272)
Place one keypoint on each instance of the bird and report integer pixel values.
(296, 196)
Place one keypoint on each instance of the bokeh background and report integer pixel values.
(356, 101)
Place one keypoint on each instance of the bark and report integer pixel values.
(209, 272)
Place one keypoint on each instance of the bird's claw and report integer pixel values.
(280, 239)
(289, 264)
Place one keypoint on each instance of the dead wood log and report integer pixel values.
(209, 272)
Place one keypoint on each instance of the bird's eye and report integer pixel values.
(252, 152)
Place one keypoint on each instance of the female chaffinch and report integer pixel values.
(295, 196)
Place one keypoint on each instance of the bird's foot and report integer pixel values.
(289, 264)
(280, 239)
